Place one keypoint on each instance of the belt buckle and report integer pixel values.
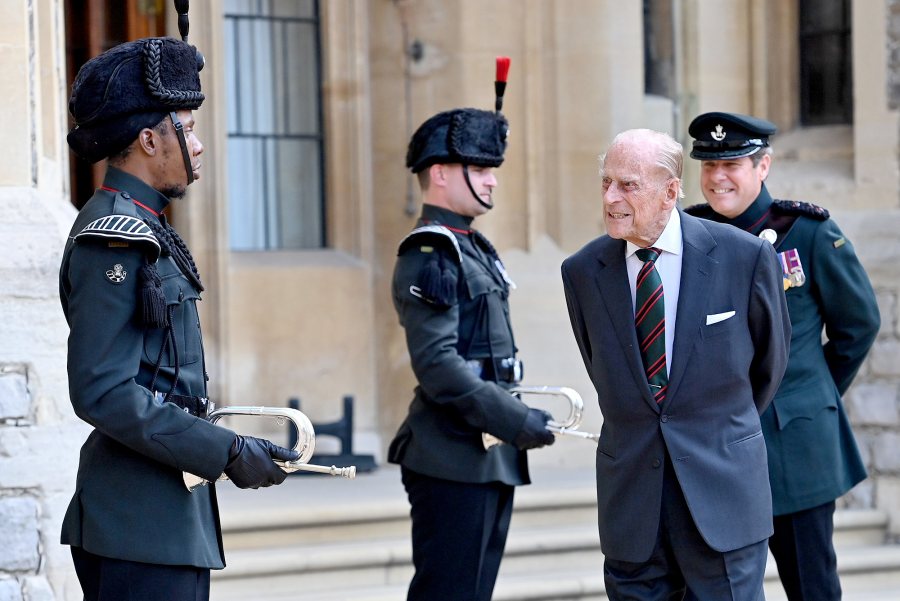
(513, 369)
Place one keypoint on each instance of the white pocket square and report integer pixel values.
(716, 318)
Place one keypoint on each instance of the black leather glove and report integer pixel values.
(251, 465)
(534, 433)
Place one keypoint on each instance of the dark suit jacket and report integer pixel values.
(721, 378)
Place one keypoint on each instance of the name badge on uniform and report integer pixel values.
(792, 269)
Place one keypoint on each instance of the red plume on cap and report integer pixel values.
(500, 81)
(502, 68)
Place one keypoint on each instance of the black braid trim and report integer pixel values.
(795, 207)
(485, 244)
(181, 99)
(172, 245)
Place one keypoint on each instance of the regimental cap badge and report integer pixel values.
(117, 274)
(719, 134)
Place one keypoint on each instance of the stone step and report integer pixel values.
(306, 511)
(325, 540)
(867, 574)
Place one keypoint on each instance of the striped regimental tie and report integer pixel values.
(650, 322)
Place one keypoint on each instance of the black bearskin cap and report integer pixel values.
(129, 87)
(467, 136)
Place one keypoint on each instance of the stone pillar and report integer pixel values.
(39, 435)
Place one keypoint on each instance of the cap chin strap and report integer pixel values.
(472, 190)
(179, 131)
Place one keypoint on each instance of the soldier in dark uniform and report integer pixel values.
(451, 292)
(129, 290)
(813, 457)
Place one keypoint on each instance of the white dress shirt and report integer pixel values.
(669, 267)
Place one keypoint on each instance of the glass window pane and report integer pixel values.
(274, 128)
(240, 7)
(293, 8)
(303, 117)
(301, 210)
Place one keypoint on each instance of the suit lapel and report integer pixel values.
(612, 282)
(697, 274)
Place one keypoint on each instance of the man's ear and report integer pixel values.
(672, 187)
(148, 141)
(437, 173)
(763, 167)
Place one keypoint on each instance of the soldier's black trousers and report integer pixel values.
(458, 536)
(804, 553)
(107, 579)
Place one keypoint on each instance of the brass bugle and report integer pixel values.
(566, 427)
(305, 445)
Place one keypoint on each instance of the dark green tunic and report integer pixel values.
(813, 456)
(452, 301)
(130, 501)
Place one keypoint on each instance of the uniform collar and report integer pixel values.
(756, 214)
(441, 216)
(141, 193)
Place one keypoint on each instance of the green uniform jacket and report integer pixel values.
(130, 501)
(813, 457)
(450, 293)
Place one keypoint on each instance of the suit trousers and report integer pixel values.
(458, 536)
(803, 549)
(682, 565)
(107, 579)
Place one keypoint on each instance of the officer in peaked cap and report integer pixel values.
(813, 456)
(719, 136)
(451, 291)
(129, 290)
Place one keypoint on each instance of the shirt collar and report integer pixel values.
(139, 190)
(670, 239)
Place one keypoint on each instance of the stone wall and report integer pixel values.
(873, 402)
(39, 435)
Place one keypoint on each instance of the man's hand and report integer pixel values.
(251, 462)
(534, 433)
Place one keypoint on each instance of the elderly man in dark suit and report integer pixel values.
(684, 331)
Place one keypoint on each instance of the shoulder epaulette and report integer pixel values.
(121, 227)
(795, 207)
(436, 234)
(700, 210)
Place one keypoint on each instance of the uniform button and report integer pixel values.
(664, 418)
(657, 463)
(126, 195)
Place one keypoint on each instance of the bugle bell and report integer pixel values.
(305, 445)
(567, 427)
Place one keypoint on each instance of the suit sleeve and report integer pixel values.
(846, 302)
(770, 327)
(431, 337)
(104, 358)
(576, 318)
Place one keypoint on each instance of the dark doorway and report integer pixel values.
(826, 66)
